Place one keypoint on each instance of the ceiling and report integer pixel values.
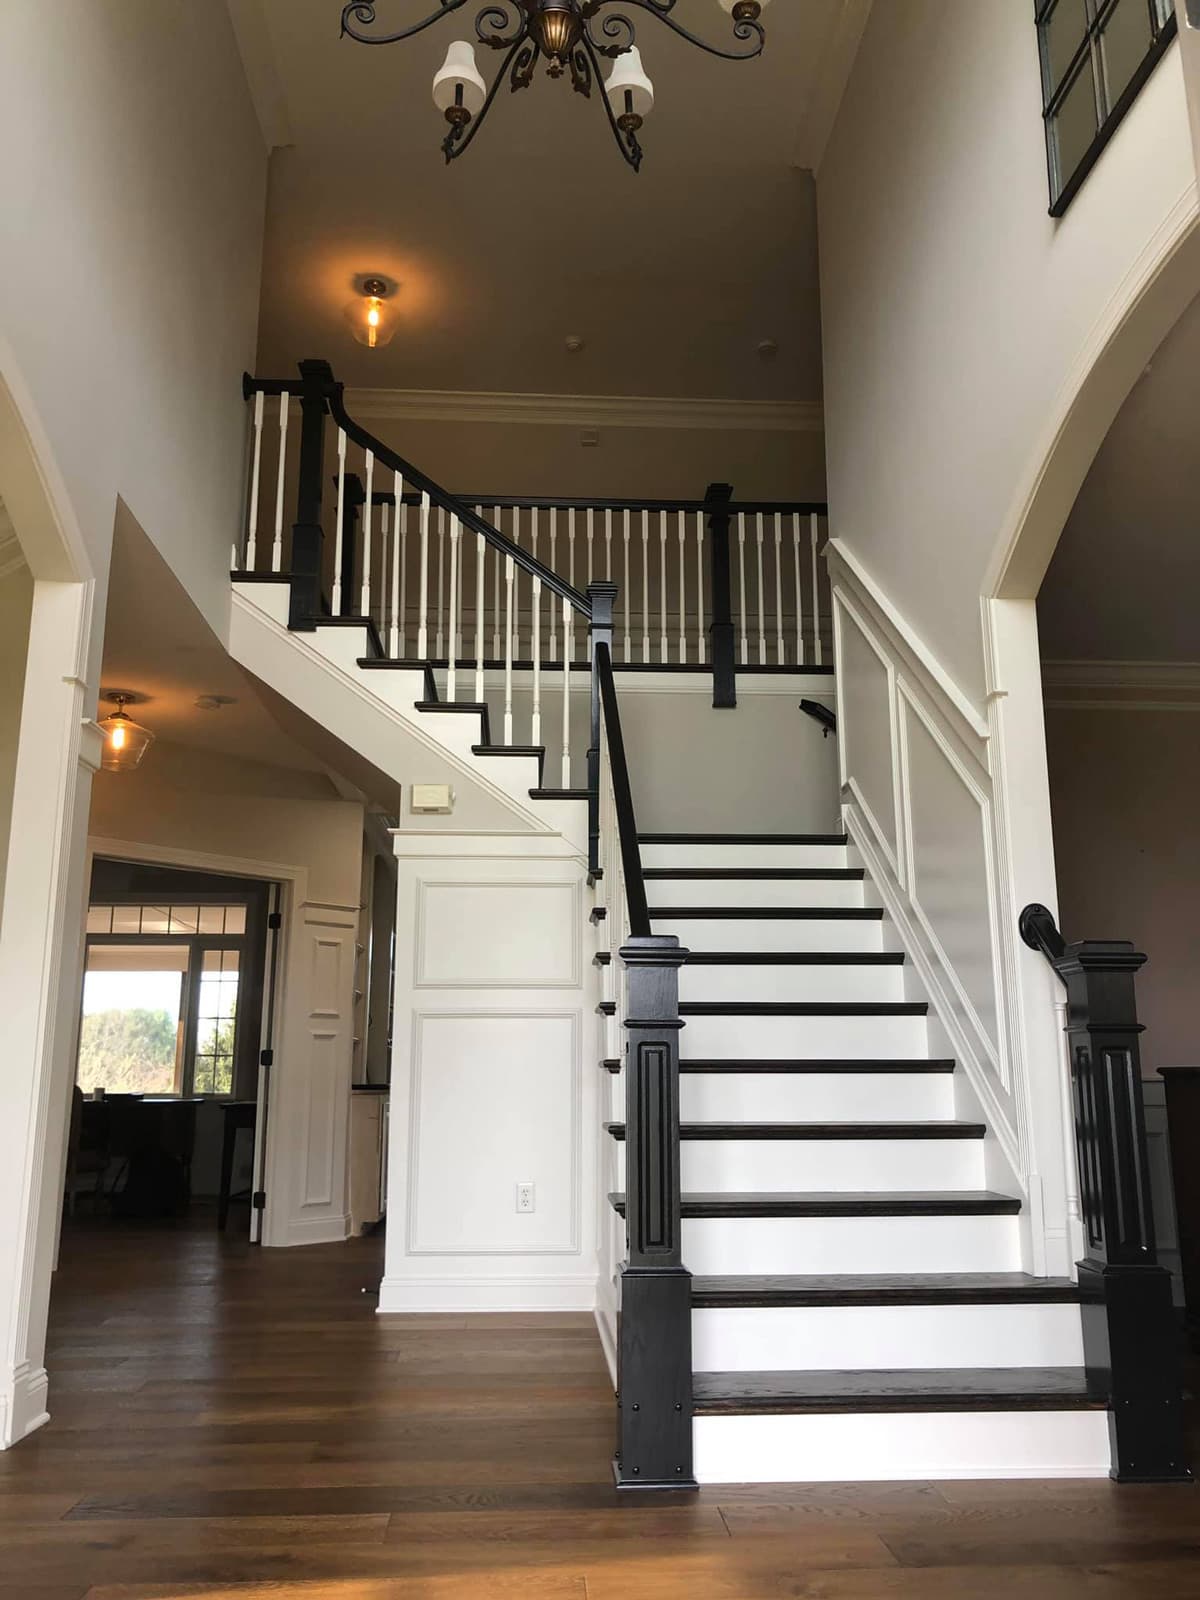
(671, 277)
(1125, 577)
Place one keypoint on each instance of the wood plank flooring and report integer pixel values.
(239, 1425)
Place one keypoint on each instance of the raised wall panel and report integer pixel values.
(320, 1118)
(866, 731)
(498, 935)
(495, 1102)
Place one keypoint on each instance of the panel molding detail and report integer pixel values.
(511, 933)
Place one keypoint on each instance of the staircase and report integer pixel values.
(858, 1304)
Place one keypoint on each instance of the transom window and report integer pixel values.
(1096, 55)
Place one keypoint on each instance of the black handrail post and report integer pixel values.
(1131, 1337)
(307, 537)
(603, 597)
(720, 632)
(654, 1400)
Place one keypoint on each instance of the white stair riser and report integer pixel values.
(908, 1445)
(743, 855)
(851, 1244)
(782, 983)
(272, 599)
(755, 891)
(841, 1338)
(731, 1037)
(833, 934)
(815, 1097)
(722, 1165)
(345, 647)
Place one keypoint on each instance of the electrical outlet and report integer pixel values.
(525, 1199)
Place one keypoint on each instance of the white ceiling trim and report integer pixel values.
(1175, 676)
(575, 410)
(819, 112)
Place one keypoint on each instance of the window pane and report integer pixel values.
(99, 919)
(1126, 39)
(235, 919)
(1075, 124)
(130, 1033)
(156, 919)
(212, 919)
(1062, 34)
(127, 919)
(184, 919)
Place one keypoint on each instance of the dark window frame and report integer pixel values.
(1088, 58)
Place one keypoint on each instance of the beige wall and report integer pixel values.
(1124, 786)
(131, 213)
(16, 600)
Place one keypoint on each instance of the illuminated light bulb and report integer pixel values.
(371, 319)
(125, 741)
(117, 738)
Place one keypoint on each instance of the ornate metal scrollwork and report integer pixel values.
(501, 25)
(523, 65)
(364, 11)
(581, 72)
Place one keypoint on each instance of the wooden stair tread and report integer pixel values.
(883, 1289)
(795, 958)
(803, 1008)
(743, 838)
(821, 1130)
(757, 874)
(768, 913)
(906, 1389)
(858, 1065)
(846, 1203)
(559, 794)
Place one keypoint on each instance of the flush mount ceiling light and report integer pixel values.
(372, 320)
(125, 741)
(570, 36)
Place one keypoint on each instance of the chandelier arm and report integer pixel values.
(459, 139)
(497, 18)
(619, 28)
(363, 11)
(627, 143)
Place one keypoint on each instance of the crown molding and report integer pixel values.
(587, 410)
(1121, 685)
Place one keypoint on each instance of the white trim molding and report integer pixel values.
(1121, 685)
(586, 410)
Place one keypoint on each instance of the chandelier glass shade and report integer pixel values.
(125, 741)
(571, 37)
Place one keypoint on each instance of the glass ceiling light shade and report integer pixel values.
(125, 741)
(573, 38)
(372, 320)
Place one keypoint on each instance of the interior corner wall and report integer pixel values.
(16, 607)
(1128, 854)
(956, 314)
(132, 193)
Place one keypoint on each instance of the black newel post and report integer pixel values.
(1131, 1338)
(720, 633)
(654, 1406)
(600, 631)
(307, 537)
(1182, 1086)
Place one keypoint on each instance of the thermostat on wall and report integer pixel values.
(426, 798)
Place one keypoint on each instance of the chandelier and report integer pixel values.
(570, 36)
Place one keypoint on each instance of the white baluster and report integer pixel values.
(700, 639)
(340, 530)
(645, 586)
(496, 591)
(452, 632)
(742, 584)
(365, 609)
(440, 636)
(255, 469)
(814, 532)
(423, 596)
(779, 650)
(762, 599)
(398, 558)
(799, 593)
(277, 547)
(510, 573)
(570, 552)
(535, 734)
(591, 535)
(682, 524)
(628, 654)
(480, 547)
(608, 545)
(535, 590)
(566, 703)
(662, 585)
(385, 545)
(553, 565)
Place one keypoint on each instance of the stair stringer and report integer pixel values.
(398, 742)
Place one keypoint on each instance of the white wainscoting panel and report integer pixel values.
(461, 940)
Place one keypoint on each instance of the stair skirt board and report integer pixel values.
(731, 1035)
(852, 1164)
(878, 1447)
(833, 983)
(713, 1245)
(755, 1338)
(790, 935)
(743, 855)
(815, 1097)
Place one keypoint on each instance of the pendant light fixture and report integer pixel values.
(125, 741)
(571, 36)
(371, 319)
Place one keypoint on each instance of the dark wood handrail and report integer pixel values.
(631, 855)
(331, 392)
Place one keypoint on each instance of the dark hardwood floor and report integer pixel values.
(239, 1425)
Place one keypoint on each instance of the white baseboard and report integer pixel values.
(23, 1404)
(432, 1295)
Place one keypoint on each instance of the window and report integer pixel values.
(216, 1014)
(1096, 55)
